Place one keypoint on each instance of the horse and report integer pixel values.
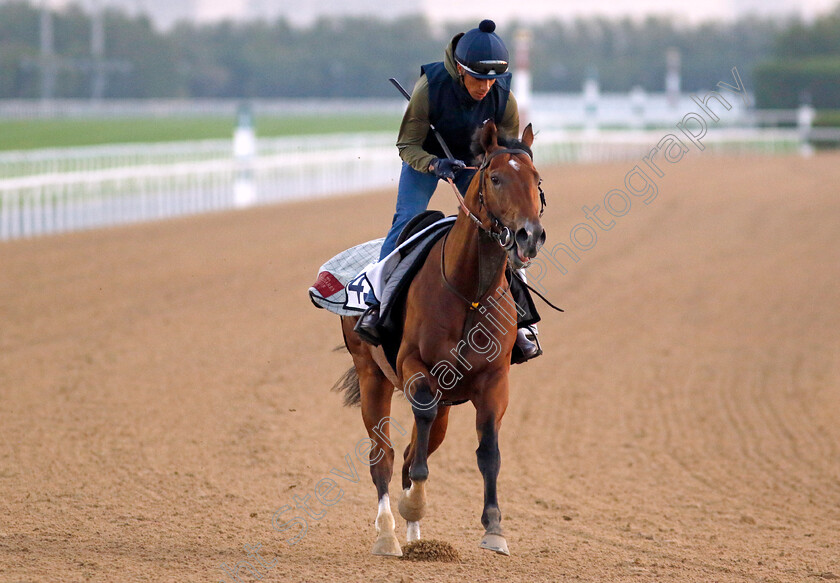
(454, 348)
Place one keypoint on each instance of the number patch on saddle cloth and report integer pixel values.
(357, 289)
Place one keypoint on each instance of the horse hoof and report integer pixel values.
(496, 543)
(387, 546)
(412, 509)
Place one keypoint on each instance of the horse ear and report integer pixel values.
(528, 136)
(489, 135)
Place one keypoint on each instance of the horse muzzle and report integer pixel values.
(528, 240)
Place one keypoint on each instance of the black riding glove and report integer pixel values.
(446, 167)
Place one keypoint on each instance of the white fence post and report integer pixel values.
(804, 121)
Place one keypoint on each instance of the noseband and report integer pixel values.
(498, 231)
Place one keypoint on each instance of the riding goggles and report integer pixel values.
(486, 69)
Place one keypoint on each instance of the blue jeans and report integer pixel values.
(413, 195)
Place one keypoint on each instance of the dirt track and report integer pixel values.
(164, 390)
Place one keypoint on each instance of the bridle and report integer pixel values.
(498, 231)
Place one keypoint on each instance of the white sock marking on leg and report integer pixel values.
(412, 531)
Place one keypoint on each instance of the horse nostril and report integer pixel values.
(530, 240)
(522, 238)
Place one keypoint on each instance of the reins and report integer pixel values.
(473, 305)
(504, 237)
(497, 231)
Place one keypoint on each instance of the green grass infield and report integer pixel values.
(59, 133)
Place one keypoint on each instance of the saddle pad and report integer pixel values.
(329, 291)
(344, 281)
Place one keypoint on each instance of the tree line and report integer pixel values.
(805, 67)
(353, 57)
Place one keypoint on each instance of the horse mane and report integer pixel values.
(504, 140)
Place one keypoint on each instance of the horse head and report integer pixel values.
(509, 193)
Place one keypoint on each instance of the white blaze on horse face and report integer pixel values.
(514, 164)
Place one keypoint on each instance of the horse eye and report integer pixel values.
(495, 180)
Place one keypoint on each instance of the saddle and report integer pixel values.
(344, 281)
(417, 224)
(392, 308)
(393, 294)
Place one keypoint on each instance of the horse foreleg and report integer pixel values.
(386, 539)
(413, 503)
(423, 395)
(489, 412)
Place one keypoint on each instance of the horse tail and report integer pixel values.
(349, 385)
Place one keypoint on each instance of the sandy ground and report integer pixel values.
(164, 390)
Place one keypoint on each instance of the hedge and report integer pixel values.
(785, 84)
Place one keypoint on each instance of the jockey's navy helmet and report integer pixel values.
(481, 52)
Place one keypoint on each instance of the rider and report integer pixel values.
(457, 95)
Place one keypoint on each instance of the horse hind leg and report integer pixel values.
(376, 409)
(413, 502)
(375, 392)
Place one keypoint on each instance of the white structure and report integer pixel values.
(79, 188)
(522, 78)
(591, 100)
(672, 76)
(82, 188)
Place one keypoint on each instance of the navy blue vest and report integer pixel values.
(455, 114)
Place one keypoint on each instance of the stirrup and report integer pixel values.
(366, 326)
(531, 350)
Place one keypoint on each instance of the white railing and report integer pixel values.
(71, 190)
(94, 158)
(68, 201)
(577, 147)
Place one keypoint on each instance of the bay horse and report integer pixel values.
(444, 312)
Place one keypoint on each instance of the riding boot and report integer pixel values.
(366, 326)
(527, 345)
